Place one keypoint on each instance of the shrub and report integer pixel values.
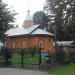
(6, 54)
(60, 55)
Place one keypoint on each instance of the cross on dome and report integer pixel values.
(28, 17)
(28, 22)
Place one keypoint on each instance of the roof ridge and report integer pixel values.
(34, 29)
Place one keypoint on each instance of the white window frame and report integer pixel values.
(41, 43)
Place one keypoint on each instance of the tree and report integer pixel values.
(60, 54)
(63, 12)
(6, 54)
(41, 18)
(6, 19)
(0, 0)
(54, 10)
(70, 18)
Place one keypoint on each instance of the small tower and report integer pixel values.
(28, 21)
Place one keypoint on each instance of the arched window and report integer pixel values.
(24, 44)
(14, 45)
(41, 43)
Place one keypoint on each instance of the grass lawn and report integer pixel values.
(63, 70)
(27, 60)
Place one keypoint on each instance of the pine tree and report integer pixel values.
(63, 12)
(70, 18)
(55, 8)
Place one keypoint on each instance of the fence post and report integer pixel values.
(6, 58)
(39, 57)
(22, 55)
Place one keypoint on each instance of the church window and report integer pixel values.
(24, 44)
(41, 44)
(13, 45)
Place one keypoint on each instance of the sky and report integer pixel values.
(21, 7)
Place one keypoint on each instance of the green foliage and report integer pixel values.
(63, 70)
(72, 56)
(6, 19)
(41, 18)
(63, 12)
(60, 55)
(6, 53)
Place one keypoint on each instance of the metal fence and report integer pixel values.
(33, 58)
(20, 58)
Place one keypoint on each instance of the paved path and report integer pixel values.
(8, 71)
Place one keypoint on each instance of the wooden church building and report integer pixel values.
(29, 36)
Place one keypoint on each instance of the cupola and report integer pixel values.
(28, 21)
